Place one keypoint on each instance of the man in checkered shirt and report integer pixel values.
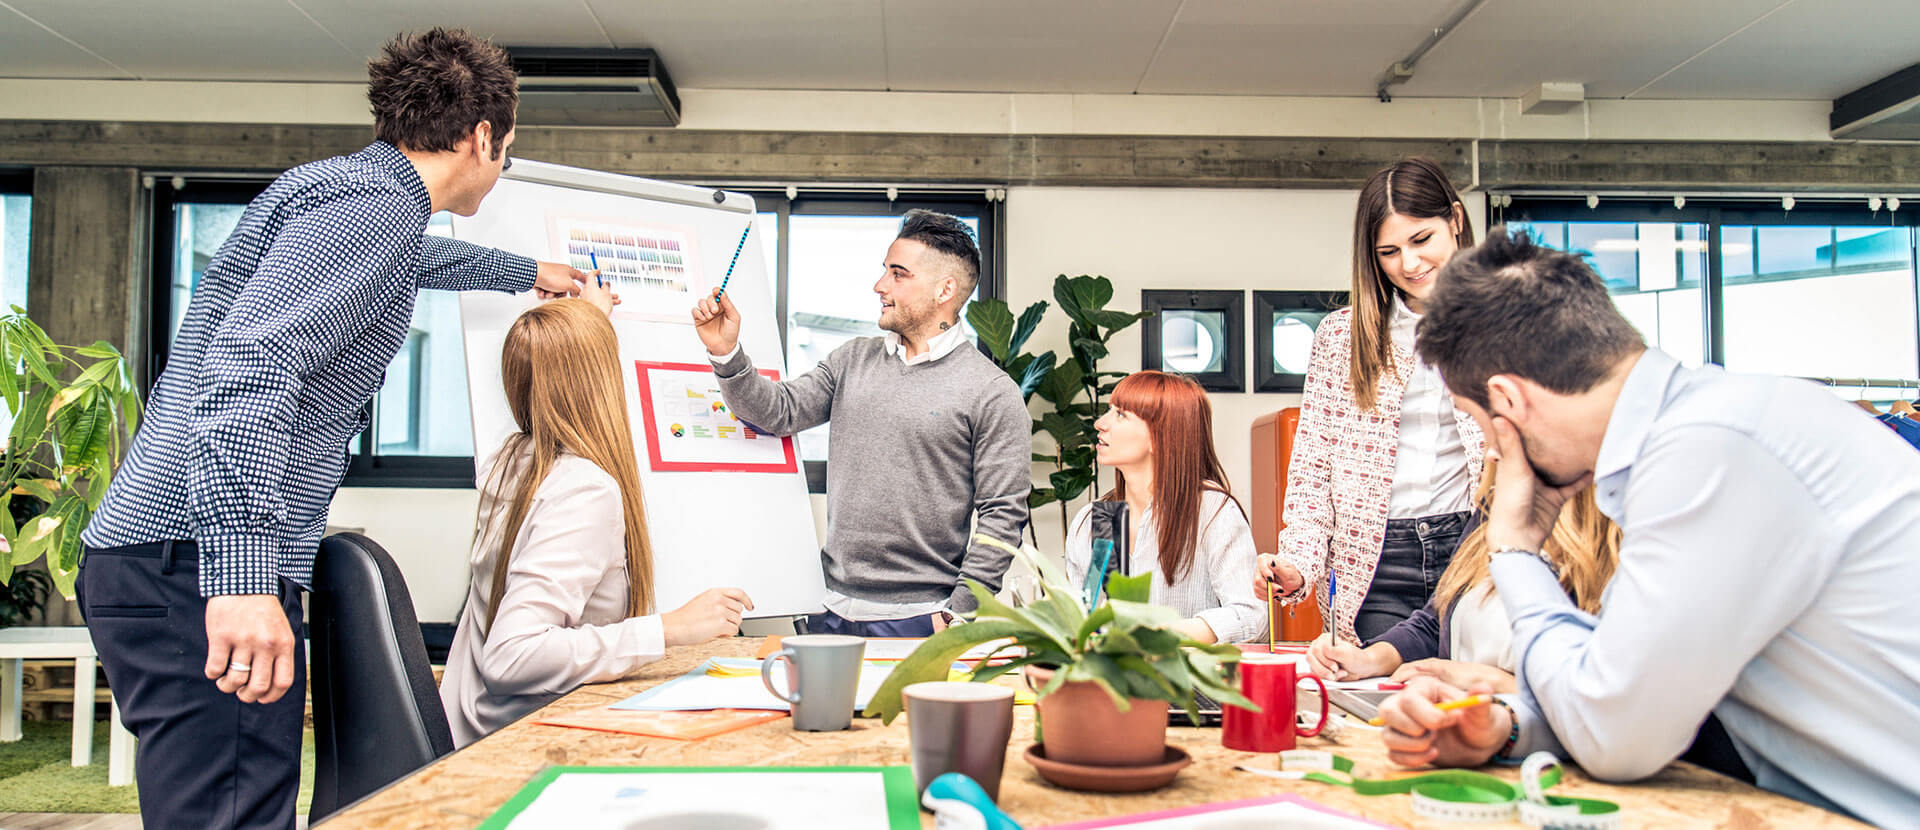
(196, 559)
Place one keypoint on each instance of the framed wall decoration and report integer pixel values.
(1198, 333)
(1283, 327)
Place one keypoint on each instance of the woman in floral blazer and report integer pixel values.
(1379, 490)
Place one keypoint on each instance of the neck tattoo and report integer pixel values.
(945, 326)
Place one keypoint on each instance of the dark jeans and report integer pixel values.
(828, 622)
(1413, 557)
(205, 759)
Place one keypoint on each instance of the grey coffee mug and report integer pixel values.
(823, 671)
(959, 727)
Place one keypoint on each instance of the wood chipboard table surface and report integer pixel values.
(464, 788)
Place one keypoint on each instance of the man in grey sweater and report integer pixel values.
(929, 437)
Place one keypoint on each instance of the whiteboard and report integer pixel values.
(751, 530)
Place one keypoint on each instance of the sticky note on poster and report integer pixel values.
(690, 428)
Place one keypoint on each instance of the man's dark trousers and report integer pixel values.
(205, 759)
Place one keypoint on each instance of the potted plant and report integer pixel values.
(1113, 667)
(65, 440)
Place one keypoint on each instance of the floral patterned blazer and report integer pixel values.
(1341, 476)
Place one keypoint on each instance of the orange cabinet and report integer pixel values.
(1272, 452)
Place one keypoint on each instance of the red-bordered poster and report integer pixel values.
(691, 429)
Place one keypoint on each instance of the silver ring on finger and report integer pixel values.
(239, 667)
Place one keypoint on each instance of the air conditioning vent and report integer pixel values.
(594, 87)
(1887, 109)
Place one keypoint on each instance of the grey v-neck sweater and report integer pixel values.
(916, 456)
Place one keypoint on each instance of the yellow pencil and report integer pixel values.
(1448, 706)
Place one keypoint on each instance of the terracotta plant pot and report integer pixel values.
(1082, 725)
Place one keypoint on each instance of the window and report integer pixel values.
(1654, 271)
(422, 432)
(1820, 300)
(824, 255)
(16, 228)
(1824, 290)
(1200, 334)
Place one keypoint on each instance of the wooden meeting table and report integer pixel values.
(463, 789)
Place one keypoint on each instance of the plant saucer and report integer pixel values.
(1109, 779)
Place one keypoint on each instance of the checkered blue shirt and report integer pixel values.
(288, 336)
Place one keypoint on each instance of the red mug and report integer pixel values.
(1269, 680)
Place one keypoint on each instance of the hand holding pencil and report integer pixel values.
(1273, 571)
(1434, 723)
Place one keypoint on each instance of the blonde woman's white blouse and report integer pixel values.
(563, 619)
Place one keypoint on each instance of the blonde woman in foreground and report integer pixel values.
(562, 582)
(1462, 636)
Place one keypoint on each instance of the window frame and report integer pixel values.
(19, 182)
(364, 467)
(1232, 304)
(874, 203)
(1717, 214)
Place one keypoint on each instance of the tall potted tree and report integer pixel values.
(60, 452)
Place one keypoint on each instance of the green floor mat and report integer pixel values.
(37, 774)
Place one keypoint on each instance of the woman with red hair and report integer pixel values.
(1157, 435)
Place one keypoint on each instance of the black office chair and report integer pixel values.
(376, 712)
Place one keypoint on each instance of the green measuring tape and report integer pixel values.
(1462, 795)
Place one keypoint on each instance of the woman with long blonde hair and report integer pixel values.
(562, 569)
(1380, 487)
(1463, 636)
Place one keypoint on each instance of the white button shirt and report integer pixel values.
(1767, 576)
(1218, 586)
(1430, 473)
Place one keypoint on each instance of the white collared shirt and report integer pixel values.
(1766, 576)
(939, 346)
(1430, 473)
(1218, 586)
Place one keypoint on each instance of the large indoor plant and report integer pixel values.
(1076, 388)
(65, 440)
(1111, 659)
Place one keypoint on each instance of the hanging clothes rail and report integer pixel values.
(1868, 383)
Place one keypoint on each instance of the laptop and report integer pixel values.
(1361, 703)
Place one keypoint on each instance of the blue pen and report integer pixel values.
(596, 270)
(1332, 580)
(737, 248)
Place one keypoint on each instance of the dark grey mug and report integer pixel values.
(823, 671)
(959, 727)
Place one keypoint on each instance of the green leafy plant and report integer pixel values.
(66, 439)
(25, 595)
(1125, 645)
(1076, 388)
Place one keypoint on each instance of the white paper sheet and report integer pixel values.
(628, 801)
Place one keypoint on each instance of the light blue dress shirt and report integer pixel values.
(1768, 575)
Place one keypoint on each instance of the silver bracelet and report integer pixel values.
(1516, 549)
